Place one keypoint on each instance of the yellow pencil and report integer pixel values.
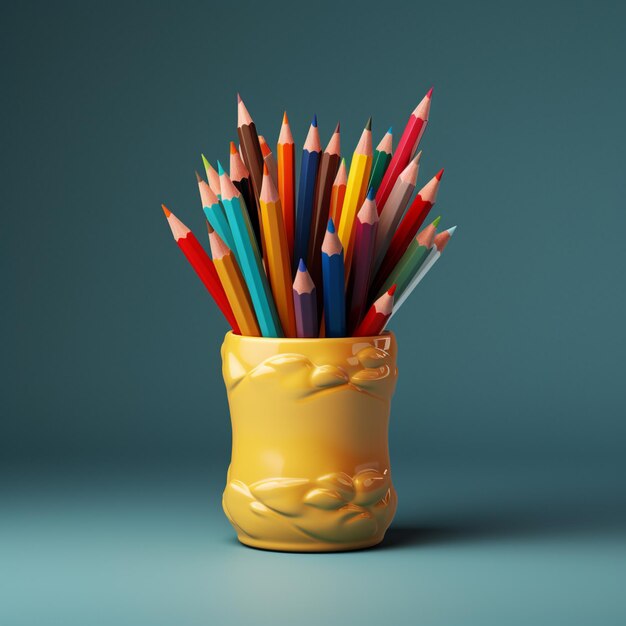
(234, 285)
(356, 190)
(278, 259)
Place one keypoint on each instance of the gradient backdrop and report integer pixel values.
(507, 439)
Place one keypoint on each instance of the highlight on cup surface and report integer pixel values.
(332, 252)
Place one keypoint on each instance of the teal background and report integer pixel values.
(508, 426)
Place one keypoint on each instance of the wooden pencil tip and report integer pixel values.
(233, 148)
(301, 266)
(314, 122)
(220, 169)
(209, 228)
(430, 93)
(331, 225)
(371, 194)
(368, 126)
(392, 289)
(166, 210)
(338, 127)
(390, 131)
(198, 177)
(439, 174)
(436, 221)
(285, 118)
(238, 98)
(266, 172)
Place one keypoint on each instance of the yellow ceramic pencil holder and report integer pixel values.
(310, 461)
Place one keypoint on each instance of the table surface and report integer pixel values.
(468, 548)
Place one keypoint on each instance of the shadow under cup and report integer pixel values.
(310, 467)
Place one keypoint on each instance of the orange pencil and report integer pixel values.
(286, 177)
(338, 192)
(234, 284)
(269, 159)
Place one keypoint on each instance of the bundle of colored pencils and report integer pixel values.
(334, 253)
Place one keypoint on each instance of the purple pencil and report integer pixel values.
(305, 303)
(366, 228)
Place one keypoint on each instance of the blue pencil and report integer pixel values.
(248, 251)
(333, 280)
(311, 154)
(216, 215)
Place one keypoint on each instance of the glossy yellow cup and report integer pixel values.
(310, 462)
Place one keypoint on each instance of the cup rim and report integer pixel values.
(310, 340)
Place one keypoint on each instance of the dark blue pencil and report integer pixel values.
(334, 286)
(305, 303)
(311, 154)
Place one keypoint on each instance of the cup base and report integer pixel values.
(318, 546)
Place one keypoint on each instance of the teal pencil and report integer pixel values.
(248, 251)
(216, 215)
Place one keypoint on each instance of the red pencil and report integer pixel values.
(407, 230)
(374, 322)
(202, 265)
(409, 141)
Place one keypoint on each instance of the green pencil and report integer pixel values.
(411, 260)
(382, 157)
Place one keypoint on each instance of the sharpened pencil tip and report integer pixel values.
(266, 172)
(209, 228)
(338, 127)
(285, 118)
(392, 289)
(233, 148)
(439, 174)
(301, 266)
(436, 221)
(390, 131)
(371, 194)
(451, 231)
(430, 93)
(220, 169)
(314, 122)
(198, 177)
(238, 98)
(331, 225)
(368, 126)
(166, 210)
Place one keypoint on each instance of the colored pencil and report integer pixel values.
(251, 264)
(411, 260)
(364, 242)
(311, 153)
(356, 190)
(240, 177)
(214, 212)
(377, 317)
(212, 176)
(305, 303)
(334, 284)
(394, 208)
(269, 159)
(329, 164)
(382, 158)
(233, 284)
(338, 193)
(202, 265)
(286, 161)
(278, 260)
(250, 147)
(439, 243)
(408, 227)
(409, 141)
